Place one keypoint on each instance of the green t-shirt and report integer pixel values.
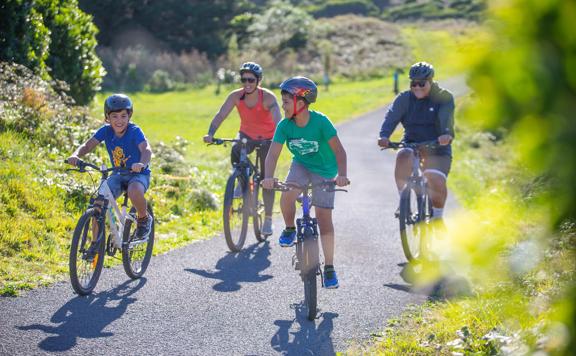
(309, 144)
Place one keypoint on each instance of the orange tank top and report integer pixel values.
(256, 122)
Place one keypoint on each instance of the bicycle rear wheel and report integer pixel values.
(309, 272)
(87, 252)
(258, 213)
(136, 254)
(236, 213)
(412, 223)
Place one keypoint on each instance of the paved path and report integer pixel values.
(202, 300)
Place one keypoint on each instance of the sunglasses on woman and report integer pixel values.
(420, 83)
(249, 80)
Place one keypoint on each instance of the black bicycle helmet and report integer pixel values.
(421, 71)
(117, 102)
(253, 68)
(301, 87)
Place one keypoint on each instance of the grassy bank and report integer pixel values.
(518, 274)
(40, 202)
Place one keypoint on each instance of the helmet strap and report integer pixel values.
(296, 111)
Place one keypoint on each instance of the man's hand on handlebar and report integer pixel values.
(383, 142)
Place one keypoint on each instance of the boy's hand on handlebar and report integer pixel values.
(73, 160)
(383, 142)
(444, 140)
(207, 138)
(137, 167)
(269, 183)
(342, 181)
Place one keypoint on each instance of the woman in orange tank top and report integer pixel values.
(259, 114)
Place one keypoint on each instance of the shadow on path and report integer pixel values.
(86, 317)
(307, 339)
(235, 268)
(446, 285)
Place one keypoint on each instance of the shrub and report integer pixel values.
(160, 82)
(53, 38)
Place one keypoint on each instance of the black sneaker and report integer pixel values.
(143, 228)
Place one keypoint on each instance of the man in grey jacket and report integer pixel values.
(426, 112)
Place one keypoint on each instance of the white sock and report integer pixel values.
(437, 213)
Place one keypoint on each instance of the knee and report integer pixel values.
(404, 155)
(135, 190)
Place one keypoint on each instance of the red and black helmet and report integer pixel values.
(301, 87)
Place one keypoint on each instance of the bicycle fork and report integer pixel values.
(307, 256)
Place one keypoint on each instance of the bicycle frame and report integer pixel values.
(116, 217)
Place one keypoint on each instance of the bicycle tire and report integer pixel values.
(258, 213)
(412, 223)
(134, 266)
(309, 272)
(235, 209)
(86, 270)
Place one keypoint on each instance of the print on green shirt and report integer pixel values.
(309, 144)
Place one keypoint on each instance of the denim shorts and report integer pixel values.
(120, 182)
(301, 176)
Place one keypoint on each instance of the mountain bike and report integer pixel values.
(415, 209)
(307, 255)
(89, 242)
(238, 208)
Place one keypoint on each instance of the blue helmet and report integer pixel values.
(301, 87)
(253, 68)
(421, 71)
(117, 102)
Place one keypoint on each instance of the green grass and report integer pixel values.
(518, 307)
(40, 203)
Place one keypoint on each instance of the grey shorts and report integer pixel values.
(437, 163)
(301, 176)
(120, 182)
(430, 162)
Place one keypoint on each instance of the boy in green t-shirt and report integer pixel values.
(318, 156)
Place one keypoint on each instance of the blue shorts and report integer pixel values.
(120, 182)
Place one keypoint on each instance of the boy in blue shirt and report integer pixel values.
(128, 149)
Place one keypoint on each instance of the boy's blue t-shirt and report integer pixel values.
(123, 150)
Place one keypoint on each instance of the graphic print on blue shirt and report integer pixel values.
(123, 151)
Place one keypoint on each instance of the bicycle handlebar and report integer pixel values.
(413, 145)
(327, 186)
(83, 165)
(221, 141)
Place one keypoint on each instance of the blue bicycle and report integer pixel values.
(307, 256)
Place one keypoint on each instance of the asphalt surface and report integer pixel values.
(202, 300)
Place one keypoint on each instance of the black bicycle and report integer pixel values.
(238, 208)
(415, 209)
(307, 256)
(89, 242)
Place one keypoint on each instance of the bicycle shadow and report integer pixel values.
(236, 268)
(86, 317)
(308, 339)
(446, 285)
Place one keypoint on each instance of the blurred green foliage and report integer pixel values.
(56, 40)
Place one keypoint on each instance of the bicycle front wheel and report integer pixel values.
(309, 272)
(87, 252)
(136, 254)
(258, 213)
(236, 212)
(412, 223)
